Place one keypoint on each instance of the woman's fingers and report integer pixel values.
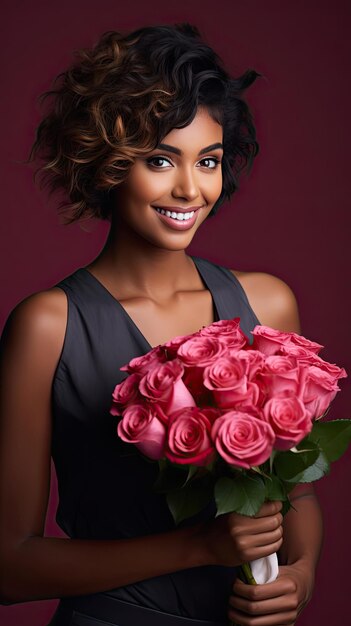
(254, 538)
(254, 546)
(263, 525)
(264, 605)
(251, 554)
(285, 618)
(249, 542)
(233, 539)
(279, 587)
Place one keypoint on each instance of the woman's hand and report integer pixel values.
(232, 539)
(276, 603)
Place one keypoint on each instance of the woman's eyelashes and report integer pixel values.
(210, 163)
(214, 160)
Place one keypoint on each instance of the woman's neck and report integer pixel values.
(141, 268)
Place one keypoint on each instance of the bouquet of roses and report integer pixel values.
(233, 421)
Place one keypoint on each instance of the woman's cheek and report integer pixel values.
(215, 186)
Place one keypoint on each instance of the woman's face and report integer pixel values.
(182, 178)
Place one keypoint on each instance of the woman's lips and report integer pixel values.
(178, 224)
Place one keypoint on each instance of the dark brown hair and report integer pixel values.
(117, 102)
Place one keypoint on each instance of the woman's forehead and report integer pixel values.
(201, 133)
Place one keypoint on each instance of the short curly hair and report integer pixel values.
(117, 102)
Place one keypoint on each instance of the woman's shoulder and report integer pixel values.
(271, 298)
(43, 307)
(39, 319)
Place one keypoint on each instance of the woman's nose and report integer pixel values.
(186, 185)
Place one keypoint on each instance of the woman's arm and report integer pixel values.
(34, 566)
(275, 305)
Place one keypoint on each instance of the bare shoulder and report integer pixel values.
(39, 319)
(272, 300)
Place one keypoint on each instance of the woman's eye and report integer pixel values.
(160, 162)
(157, 162)
(210, 163)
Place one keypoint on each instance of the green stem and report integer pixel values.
(245, 570)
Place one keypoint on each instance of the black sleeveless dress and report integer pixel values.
(105, 486)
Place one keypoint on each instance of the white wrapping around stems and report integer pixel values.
(265, 570)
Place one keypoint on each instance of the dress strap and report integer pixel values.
(228, 294)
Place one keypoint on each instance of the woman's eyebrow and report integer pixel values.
(168, 148)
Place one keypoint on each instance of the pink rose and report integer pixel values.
(255, 360)
(189, 436)
(227, 379)
(282, 375)
(193, 379)
(299, 340)
(333, 370)
(310, 358)
(196, 354)
(157, 384)
(200, 351)
(141, 426)
(269, 340)
(228, 332)
(224, 328)
(319, 391)
(164, 387)
(125, 392)
(289, 420)
(172, 346)
(180, 397)
(141, 364)
(237, 341)
(306, 357)
(252, 401)
(303, 355)
(243, 440)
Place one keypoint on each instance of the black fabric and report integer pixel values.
(106, 610)
(105, 486)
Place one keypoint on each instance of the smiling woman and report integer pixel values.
(148, 131)
(164, 195)
(124, 97)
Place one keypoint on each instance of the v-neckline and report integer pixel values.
(97, 282)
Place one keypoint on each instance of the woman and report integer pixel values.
(149, 132)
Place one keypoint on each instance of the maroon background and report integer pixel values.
(289, 218)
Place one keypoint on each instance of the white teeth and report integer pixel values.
(176, 216)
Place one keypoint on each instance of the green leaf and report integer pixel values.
(332, 437)
(244, 494)
(259, 470)
(286, 507)
(275, 489)
(193, 470)
(314, 472)
(289, 486)
(288, 464)
(190, 500)
(271, 460)
(236, 471)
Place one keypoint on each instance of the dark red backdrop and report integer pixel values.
(289, 218)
